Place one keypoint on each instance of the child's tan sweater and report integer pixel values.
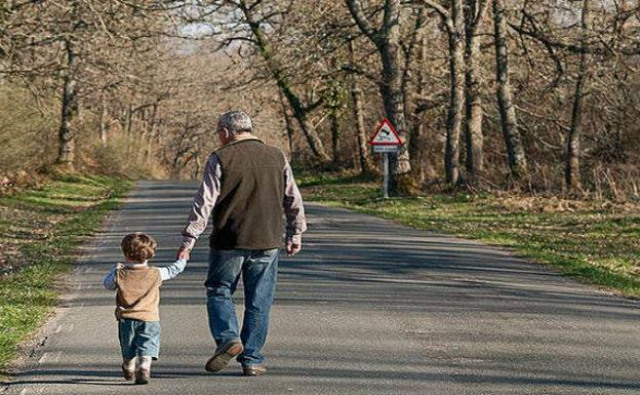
(138, 293)
(137, 288)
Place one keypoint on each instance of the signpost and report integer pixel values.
(385, 141)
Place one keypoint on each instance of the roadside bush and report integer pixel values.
(27, 135)
(119, 157)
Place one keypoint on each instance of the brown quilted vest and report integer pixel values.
(248, 213)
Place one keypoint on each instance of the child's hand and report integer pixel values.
(119, 265)
(183, 253)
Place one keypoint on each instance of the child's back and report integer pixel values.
(138, 292)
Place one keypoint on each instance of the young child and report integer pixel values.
(137, 287)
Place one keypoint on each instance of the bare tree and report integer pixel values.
(474, 12)
(572, 169)
(509, 121)
(413, 92)
(366, 167)
(288, 122)
(453, 21)
(419, 142)
(69, 109)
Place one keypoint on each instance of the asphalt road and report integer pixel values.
(369, 307)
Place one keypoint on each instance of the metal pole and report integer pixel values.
(385, 187)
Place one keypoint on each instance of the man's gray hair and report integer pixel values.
(235, 122)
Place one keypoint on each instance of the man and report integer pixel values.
(248, 189)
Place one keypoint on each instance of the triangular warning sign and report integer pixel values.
(385, 135)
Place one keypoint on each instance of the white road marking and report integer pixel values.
(50, 357)
(64, 327)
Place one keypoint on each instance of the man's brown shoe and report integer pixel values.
(143, 376)
(223, 355)
(254, 370)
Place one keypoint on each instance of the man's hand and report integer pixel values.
(183, 253)
(293, 249)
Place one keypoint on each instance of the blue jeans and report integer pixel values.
(139, 338)
(259, 274)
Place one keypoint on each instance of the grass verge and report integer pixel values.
(40, 231)
(597, 241)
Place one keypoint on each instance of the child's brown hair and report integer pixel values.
(138, 247)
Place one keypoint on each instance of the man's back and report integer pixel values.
(249, 212)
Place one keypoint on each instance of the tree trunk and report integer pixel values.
(387, 41)
(456, 100)
(300, 114)
(128, 116)
(391, 86)
(366, 166)
(572, 169)
(474, 111)
(509, 120)
(390, 90)
(408, 72)
(421, 163)
(104, 130)
(288, 124)
(66, 134)
(414, 125)
(153, 124)
(335, 135)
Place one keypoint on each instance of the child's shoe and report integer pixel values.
(128, 368)
(143, 372)
(143, 376)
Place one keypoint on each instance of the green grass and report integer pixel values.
(598, 242)
(40, 231)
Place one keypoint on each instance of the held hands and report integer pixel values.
(292, 248)
(183, 253)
